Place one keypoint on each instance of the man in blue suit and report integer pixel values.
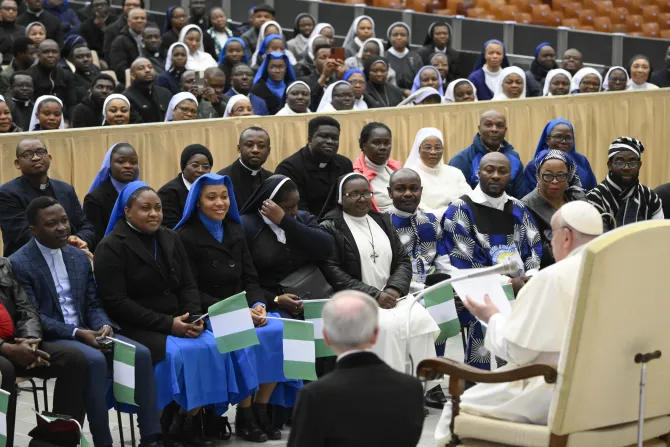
(242, 79)
(59, 280)
(33, 159)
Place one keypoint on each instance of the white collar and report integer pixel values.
(398, 54)
(253, 172)
(359, 42)
(46, 250)
(397, 212)
(186, 183)
(374, 166)
(478, 196)
(353, 351)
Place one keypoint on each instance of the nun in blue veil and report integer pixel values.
(212, 233)
(489, 65)
(146, 286)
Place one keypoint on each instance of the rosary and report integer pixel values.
(374, 254)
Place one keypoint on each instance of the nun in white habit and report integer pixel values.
(352, 42)
(176, 101)
(423, 94)
(580, 75)
(442, 184)
(450, 94)
(500, 93)
(533, 332)
(199, 59)
(245, 109)
(292, 107)
(326, 104)
(47, 120)
(383, 270)
(546, 91)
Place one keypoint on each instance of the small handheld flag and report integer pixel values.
(124, 372)
(232, 324)
(313, 312)
(299, 351)
(441, 306)
(4, 404)
(509, 291)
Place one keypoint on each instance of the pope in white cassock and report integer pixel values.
(534, 331)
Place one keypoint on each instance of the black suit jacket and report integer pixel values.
(122, 53)
(242, 181)
(98, 206)
(661, 78)
(273, 103)
(151, 107)
(173, 197)
(324, 414)
(140, 295)
(15, 195)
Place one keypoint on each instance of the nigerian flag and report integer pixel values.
(124, 372)
(299, 351)
(313, 312)
(509, 292)
(4, 404)
(441, 306)
(232, 325)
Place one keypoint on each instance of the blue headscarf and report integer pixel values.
(215, 227)
(167, 26)
(482, 56)
(106, 171)
(542, 144)
(539, 47)
(277, 88)
(263, 48)
(574, 190)
(417, 79)
(118, 211)
(222, 55)
(351, 71)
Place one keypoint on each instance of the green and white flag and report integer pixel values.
(299, 351)
(82, 439)
(509, 292)
(441, 306)
(4, 404)
(232, 324)
(124, 372)
(313, 312)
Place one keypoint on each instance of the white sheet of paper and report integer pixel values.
(476, 288)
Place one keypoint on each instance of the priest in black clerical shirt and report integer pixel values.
(246, 172)
(316, 167)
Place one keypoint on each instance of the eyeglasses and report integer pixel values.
(549, 177)
(9, 8)
(29, 155)
(357, 195)
(562, 138)
(626, 164)
(188, 111)
(572, 58)
(198, 167)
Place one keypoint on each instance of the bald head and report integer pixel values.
(495, 158)
(350, 321)
(494, 173)
(573, 225)
(491, 114)
(404, 174)
(142, 71)
(492, 129)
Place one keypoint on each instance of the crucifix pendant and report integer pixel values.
(374, 256)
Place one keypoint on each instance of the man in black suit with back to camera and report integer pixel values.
(334, 411)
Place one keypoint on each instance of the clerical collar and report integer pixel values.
(478, 196)
(19, 101)
(186, 183)
(253, 172)
(40, 186)
(353, 351)
(46, 250)
(400, 213)
(35, 13)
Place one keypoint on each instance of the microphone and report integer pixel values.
(509, 267)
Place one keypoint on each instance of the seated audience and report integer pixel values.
(92, 28)
(543, 63)
(195, 161)
(20, 98)
(22, 58)
(297, 99)
(491, 138)
(149, 100)
(36, 32)
(438, 40)
(47, 114)
(305, 66)
(370, 258)
(441, 62)
(151, 38)
(325, 71)
(261, 14)
(238, 105)
(48, 263)
(557, 83)
(639, 69)
(620, 198)
(7, 124)
(49, 79)
(376, 164)
(112, 31)
(198, 58)
(533, 332)
(24, 354)
(356, 78)
(215, 241)
(213, 102)
(428, 76)
(380, 92)
(511, 84)
(175, 67)
(71, 42)
(69, 20)
(586, 80)
(557, 184)
(233, 52)
(371, 47)
(559, 135)
(219, 30)
(9, 29)
(661, 78)
(486, 227)
(460, 90)
(616, 80)
(242, 79)
(116, 110)
(442, 184)
(274, 75)
(197, 10)
(339, 96)
(154, 310)
(271, 43)
(304, 25)
(127, 45)
(87, 112)
(404, 62)
(119, 167)
(34, 161)
(572, 61)
(175, 20)
(247, 173)
(323, 416)
(362, 28)
(35, 13)
(488, 69)
(84, 71)
(422, 97)
(316, 167)
(326, 30)
(183, 106)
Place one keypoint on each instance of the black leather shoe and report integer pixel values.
(246, 426)
(191, 432)
(261, 414)
(435, 398)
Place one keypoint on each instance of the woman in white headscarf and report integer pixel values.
(586, 80)
(511, 84)
(298, 97)
(257, 57)
(198, 58)
(616, 79)
(176, 63)
(460, 90)
(322, 29)
(442, 184)
(329, 104)
(557, 83)
(183, 106)
(304, 25)
(238, 105)
(47, 114)
(361, 30)
(116, 110)
(422, 96)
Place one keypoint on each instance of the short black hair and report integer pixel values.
(37, 205)
(320, 46)
(124, 3)
(367, 131)
(241, 65)
(19, 73)
(315, 123)
(20, 45)
(255, 129)
(18, 146)
(104, 77)
(264, 7)
(48, 101)
(138, 192)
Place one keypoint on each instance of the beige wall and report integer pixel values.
(598, 119)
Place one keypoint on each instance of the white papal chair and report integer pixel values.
(622, 309)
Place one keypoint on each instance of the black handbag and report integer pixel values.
(308, 283)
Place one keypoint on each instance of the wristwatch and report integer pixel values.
(277, 299)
